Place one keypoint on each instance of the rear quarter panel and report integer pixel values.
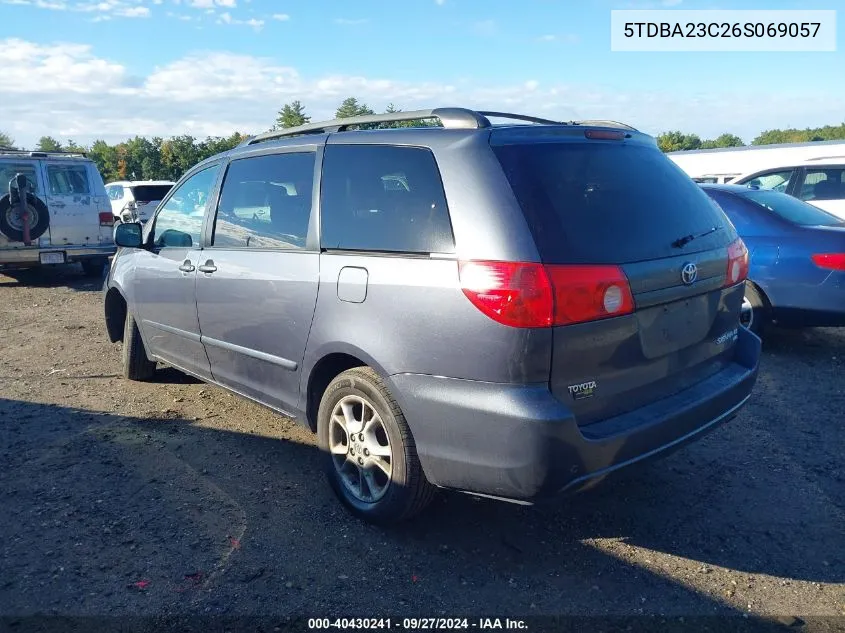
(415, 319)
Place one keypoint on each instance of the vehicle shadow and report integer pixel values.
(213, 521)
(69, 276)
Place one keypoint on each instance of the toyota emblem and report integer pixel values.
(689, 273)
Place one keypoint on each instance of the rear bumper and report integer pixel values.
(26, 257)
(519, 442)
(817, 306)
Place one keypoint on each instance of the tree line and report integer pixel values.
(157, 158)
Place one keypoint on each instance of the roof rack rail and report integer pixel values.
(39, 154)
(826, 157)
(518, 117)
(451, 118)
(604, 123)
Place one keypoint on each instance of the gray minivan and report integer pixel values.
(510, 310)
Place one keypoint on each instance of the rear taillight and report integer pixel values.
(524, 294)
(588, 293)
(106, 218)
(737, 262)
(831, 261)
(512, 293)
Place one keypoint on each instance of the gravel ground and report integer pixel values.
(175, 498)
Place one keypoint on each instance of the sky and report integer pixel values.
(113, 69)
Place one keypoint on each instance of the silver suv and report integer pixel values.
(510, 310)
(53, 210)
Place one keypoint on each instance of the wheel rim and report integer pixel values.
(746, 315)
(13, 217)
(360, 449)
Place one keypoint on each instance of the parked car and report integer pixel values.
(820, 182)
(797, 271)
(68, 217)
(135, 200)
(524, 315)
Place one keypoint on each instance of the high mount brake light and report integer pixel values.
(737, 263)
(532, 295)
(606, 135)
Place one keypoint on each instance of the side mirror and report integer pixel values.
(128, 235)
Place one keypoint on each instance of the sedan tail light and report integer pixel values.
(831, 261)
(737, 263)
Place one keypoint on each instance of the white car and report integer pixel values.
(819, 181)
(60, 214)
(135, 200)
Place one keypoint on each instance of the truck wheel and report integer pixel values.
(136, 364)
(370, 456)
(11, 224)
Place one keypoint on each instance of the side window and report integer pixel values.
(823, 184)
(774, 180)
(383, 198)
(265, 202)
(116, 192)
(66, 180)
(179, 222)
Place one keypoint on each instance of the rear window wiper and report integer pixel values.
(686, 239)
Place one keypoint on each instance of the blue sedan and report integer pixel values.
(797, 274)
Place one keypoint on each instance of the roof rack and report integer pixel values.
(518, 117)
(450, 118)
(40, 154)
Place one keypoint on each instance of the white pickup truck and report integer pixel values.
(67, 216)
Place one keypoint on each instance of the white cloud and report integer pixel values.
(281, 17)
(351, 21)
(86, 96)
(486, 28)
(226, 18)
(133, 12)
(104, 8)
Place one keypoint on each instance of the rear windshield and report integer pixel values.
(150, 193)
(606, 202)
(9, 170)
(791, 209)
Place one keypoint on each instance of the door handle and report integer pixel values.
(58, 205)
(187, 266)
(207, 267)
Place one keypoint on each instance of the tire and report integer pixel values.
(757, 313)
(136, 365)
(404, 491)
(11, 225)
(94, 267)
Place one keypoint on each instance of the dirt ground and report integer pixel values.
(174, 498)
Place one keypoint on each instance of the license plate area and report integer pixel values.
(665, 329)
(55, 257)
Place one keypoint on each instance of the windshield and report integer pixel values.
(609, 203)
(792, 209)
(150, 193)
